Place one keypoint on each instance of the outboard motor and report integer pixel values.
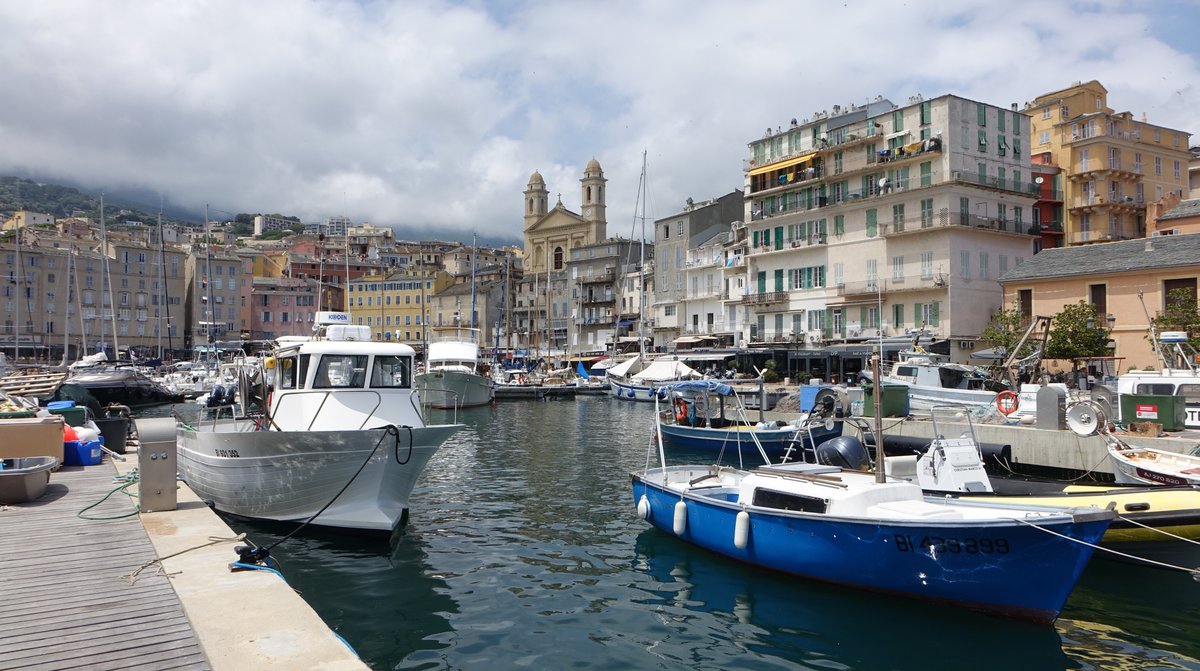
(216, 397)
(845, 452)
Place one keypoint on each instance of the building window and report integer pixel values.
(981, 114)
(964, 263)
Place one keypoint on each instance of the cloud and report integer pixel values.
(436, 113)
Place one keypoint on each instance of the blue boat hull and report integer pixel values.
(632, 392)
(775, 442)
(1010, 569)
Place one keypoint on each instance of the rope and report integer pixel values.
(1160, 531)
(127, 481)
(391, 430)
(1195, 573)
(132, 577)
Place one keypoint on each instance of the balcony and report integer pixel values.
(607, 275)
(1112, 202)
(1104, 168)
(890, 285)
(1007, 185)
(599, 300)
(765, 298)
(945, 219)
(1088, 237)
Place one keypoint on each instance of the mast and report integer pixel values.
(474, 241)
(161, 277)
(642, 265)
(66, 315)
(208, 301)
(73, 282)
(20, 275)
(112, 299)
(162, 274)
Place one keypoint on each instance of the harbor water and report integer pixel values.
(523, 551)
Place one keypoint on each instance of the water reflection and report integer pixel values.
(784, 618)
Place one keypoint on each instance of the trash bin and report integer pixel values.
(115, 431)
(1169, 411)
(75, 415)
(895, 400)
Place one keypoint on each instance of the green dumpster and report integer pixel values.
(1170, 411)
(75, 416)
(895, 400)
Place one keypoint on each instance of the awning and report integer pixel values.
(783, 164)
(684, 340)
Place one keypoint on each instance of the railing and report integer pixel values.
(607, 275)
(764, 298)
(891, 285)
(1114, 199)
(1106, 164)
(1079, 237)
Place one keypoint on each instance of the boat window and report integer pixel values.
(1164, 389)
(771, 499)
(287, 372)
(343, 371)
(305, 359)
(1190, 391)
(391, 371)
(906, 371)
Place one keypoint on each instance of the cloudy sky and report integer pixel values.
(429, 113)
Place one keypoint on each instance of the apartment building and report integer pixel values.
(215, 280)
(1113, 164)
(881, 219)
(396, 305)
(689, 278)
(596, 272)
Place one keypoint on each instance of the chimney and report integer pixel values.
(1149, 245)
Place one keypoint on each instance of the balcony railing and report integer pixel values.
(1109, 200)
(1082, 237)
(607, 275)
(764, 298)
(890, 285)
(1131, 168)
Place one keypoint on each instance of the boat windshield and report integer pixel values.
(336, 371)
(391, 372)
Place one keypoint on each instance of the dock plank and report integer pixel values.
(65, 603)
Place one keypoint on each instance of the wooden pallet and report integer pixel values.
(33, 382)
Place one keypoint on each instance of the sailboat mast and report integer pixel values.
(642, 266)
(112, 299)
(20, 275)
(474, 241)
(67, 314)
(164, 299)
(161, 278)
(208, 301)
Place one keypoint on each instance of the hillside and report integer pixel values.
(64, 201)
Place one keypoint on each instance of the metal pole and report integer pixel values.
(880, 471)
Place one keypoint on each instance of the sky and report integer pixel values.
(434, 114)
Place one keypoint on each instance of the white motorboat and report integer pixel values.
(341, 443)
(933, 383)
(452, 377)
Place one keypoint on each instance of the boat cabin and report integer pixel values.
(927, 373)
(342, 372)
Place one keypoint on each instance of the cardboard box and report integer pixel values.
(32, 437)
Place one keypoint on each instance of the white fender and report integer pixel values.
(643, 508)
(680, 518)
(741, 530)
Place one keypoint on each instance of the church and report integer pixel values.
(551, 234)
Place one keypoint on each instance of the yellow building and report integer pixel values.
(1126, 281)
(396, 305)
(1114, 164)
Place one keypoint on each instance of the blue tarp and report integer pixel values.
(582, 373)
(697, 386)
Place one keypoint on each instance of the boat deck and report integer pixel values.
(66, 604)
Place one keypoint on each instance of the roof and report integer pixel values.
(1185, 208)
(1166, 251)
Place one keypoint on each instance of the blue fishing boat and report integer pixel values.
(709, 415)
(843, 527)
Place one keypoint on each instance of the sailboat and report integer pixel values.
(638, 378)
(452, 377)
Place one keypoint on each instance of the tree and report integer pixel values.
(1003, 333)
(1180, 315)
(1073, 337)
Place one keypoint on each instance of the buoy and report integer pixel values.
(680, 518)
(643, 508)
(741, 530)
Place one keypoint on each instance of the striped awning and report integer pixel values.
(779, 165)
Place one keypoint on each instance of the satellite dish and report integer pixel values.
(1038, 180)
(1085, 418)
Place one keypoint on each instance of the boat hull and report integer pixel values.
(454, 389)
(288, 476)
(1146, 466)
(777, 442)
(627, 391)
(944, 561)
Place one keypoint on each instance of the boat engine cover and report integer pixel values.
(844, 451)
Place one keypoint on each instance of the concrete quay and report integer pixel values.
(86, 594)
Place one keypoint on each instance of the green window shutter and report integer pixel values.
(1016, 146)
(755, 237)
(927, 173)
(828, 330)
(897, 121)
(981, 114)
(982, 140)
(898, 315)
(862, 318)
(872, 223)
(1016, 123)
(820, 276)
(917, 315)
(762, 281)
(1000, 121)
(842, 329)
(839, 224)
(933, 313)
(779, 237)
(926, 112)
(779, 279)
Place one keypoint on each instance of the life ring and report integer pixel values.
(681, 410)
(1007, 402)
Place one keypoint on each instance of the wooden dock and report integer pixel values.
(64, 601)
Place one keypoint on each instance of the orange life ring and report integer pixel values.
(681, 410)
(1007, 402)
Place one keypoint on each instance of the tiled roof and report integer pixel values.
(1164, 251)
(1185, 208)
